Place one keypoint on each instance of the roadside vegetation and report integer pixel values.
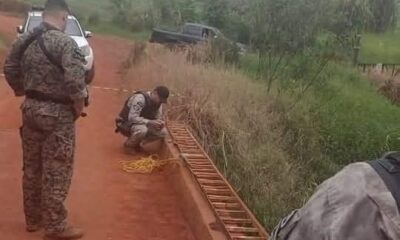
(292, 113)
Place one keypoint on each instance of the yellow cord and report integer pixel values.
(145, 164)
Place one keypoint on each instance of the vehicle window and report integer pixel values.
(192, 30)
(72, 26)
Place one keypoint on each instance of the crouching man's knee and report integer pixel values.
(138, 134)
(139, 131)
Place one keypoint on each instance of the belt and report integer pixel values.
(44, 97)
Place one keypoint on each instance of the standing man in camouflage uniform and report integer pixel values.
(141, 118)
(46, 66)
(361, 202)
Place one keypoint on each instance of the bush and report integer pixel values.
(94, 19)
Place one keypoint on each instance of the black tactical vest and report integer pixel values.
(149, 110)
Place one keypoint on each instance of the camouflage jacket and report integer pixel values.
(136, 104)
(32, 70)
(354, 204)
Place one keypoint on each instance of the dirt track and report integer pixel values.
(107, 203)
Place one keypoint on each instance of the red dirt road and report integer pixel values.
(108, 203)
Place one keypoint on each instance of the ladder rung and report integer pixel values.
(224, 205)
(217, 188)
(189, 143)
(195, 168)
(247, 238)
(230, 211)
(194, 155)
(185, 138)
(222, 191)
(208, 176)
(237, 220)
(187, 148)
(212, 182)
(199, 161)
(222, 198)
(241, 229)
(209, 171)
(190, 151)
(199, 166)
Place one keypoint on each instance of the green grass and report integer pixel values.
(357, 123)
(83, 7)
(353, 120)
(380, 48)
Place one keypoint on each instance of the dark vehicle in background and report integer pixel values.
(191, 34)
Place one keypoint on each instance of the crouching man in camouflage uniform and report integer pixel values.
(141, 118)
(360, 203)
(46, 66)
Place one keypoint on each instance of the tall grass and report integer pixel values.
(241, 126)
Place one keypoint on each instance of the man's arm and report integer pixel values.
(74, 74)
(136, 104)
(72, 62)
(12, 68)
(159, 115)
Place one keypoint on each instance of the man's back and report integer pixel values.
(354, 204)
(62, 78)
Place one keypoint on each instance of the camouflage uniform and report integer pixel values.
(48, 132)
(355, 204)
(139, 130)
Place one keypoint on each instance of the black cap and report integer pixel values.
(163, 93)
(56, 5)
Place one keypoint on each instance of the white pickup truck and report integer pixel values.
(74, 30)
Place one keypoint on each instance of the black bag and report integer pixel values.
(388, 168)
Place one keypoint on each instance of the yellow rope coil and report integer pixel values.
(145, 164)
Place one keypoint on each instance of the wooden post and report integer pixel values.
(357, 44)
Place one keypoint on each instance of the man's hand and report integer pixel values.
(78, 107)
(156, 124)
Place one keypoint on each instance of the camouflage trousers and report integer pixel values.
(48, 151)
(140, 133)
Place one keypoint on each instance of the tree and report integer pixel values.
(121, 11)
(216, 12)
(384, 14)
(187, 11)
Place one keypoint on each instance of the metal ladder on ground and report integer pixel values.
(237, 220)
